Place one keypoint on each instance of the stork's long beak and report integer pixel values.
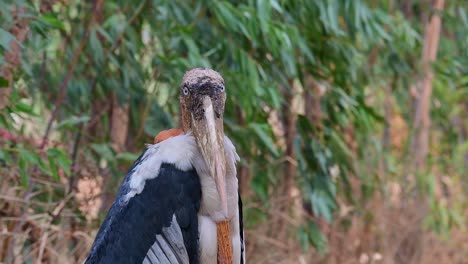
(209, 134)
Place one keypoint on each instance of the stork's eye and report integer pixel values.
(221, 88)
(185, 91)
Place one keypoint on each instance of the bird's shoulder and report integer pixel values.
(177, 151)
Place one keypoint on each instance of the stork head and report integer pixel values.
(202, 97)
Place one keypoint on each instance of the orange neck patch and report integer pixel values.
(165, 134)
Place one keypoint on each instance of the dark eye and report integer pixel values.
(185, 91)
(221, 88)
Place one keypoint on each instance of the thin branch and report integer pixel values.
(59, 208)
(76, 145)
(68, 76)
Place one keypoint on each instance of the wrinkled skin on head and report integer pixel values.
(197, 84)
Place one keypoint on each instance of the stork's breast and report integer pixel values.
(211, 203)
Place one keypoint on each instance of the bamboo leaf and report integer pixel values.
(3, 82)
(53, 168)
(259, 130)
(72, 121)
(127, 156)
(6, 38)
(60, 158)
(51, 21)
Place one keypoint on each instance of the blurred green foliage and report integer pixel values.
(138, 51)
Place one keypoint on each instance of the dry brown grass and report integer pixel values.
(38, 230)
(61, 230)
(390, 232)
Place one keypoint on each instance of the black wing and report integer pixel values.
(148, 227)
(241, 230)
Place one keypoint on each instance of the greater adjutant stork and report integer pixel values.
(181, 195)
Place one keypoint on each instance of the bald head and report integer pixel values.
(200, 76)
(198, 84)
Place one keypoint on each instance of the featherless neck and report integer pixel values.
(185, 119)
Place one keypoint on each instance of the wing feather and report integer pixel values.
(241, 230)
(145, 228)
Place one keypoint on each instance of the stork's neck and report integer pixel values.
(185, 117)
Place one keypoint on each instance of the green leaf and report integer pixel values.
(225, 14)
(104, 33)
(316, 237)
(340, 144)
(24, 108)
(266, 140)
(317, 204)
(5, 12)
(303, 238)
(73, 121)
(256, 216)
(127, 156)
(275, 97)
(104, 151)
(4, 122)
(53, 168)
(29, 156)
(3, 82)
(96, 47)
(51, 21)
(61, 158)
(263, 14)
(260, 185)
(23, 174)
(64, 163)
(5, 39)
(4, 155)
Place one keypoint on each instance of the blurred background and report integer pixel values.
(350, 117)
